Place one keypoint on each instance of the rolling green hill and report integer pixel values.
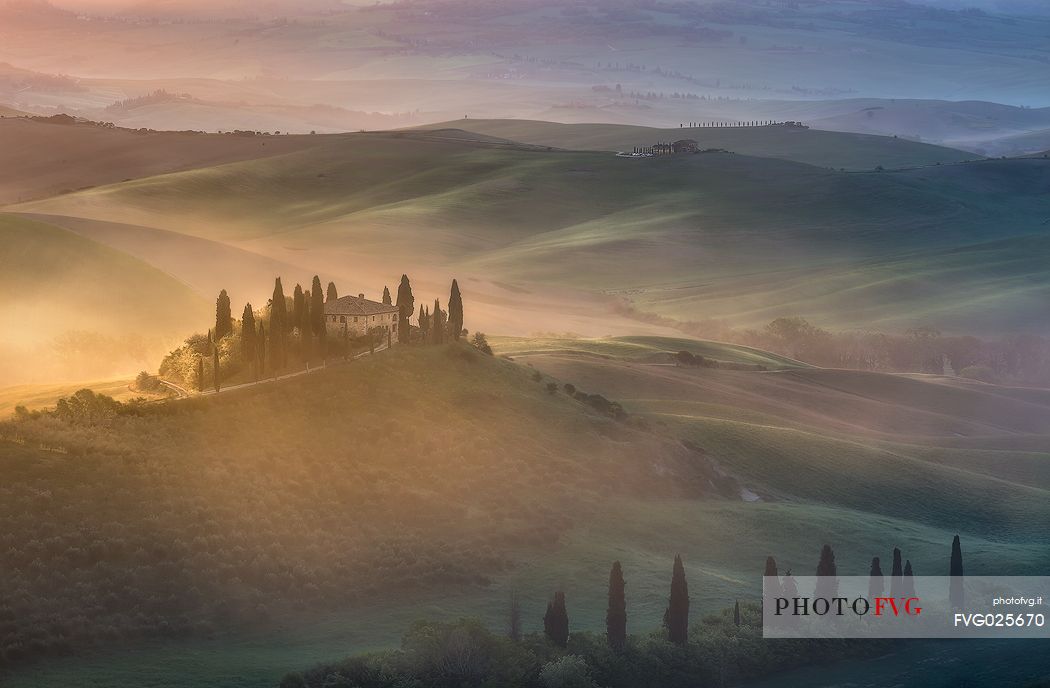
(718, 236)
(810, 146)
(478, 481)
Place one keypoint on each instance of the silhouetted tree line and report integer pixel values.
(722, 650)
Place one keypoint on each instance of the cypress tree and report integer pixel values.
(306, 332)
(616, 615)
(908, 584)
(215, 366)
(406, 305)
(736, 612)
(223, 316)
(422, 320)
(678, 606)
(200, 373)
(298, 309)
(248, 334)
(770, 579)
(437, 324)
(317, 308)
(386, 296)
(261, 353)
(896, 573)
(556, 621)
(332, 294)
(876, 584)
(827, 583)
(278, 325)
(455, 312)
(956, 595)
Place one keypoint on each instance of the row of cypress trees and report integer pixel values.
(902, 583)
(676, 616)
(307, 317)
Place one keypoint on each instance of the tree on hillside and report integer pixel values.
(896, 573)
(616, 614)
(215, 367)
(298, 308)
(386, 296)
(332, 294)
(455, 312)
(955, 570)
(424, 323)
(438, 324)
(317, 322)
(223, 316)
(876, 584)
(556, 621)
(406, 305)
(908, 584)
(200, 373)
(771, 582)
(306, 330)
(278, 325)
(736, 612)
(317, 308)
(248, 334)
(827, 583)
(677, 615)
(261, 351)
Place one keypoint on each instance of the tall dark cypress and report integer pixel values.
(956, 594)
(455, 312)
(827, 582)
(223, 316)
(678, 605)
(876, 583)
(736, 612)
(908, 581)
(437, 324)
(771, 587)
(896, 573)
(215, 366)
(616, 615)
(298, 309)
(386, 296)
(278, 326)
(406, 306)
(317, 308)
(332, 293)
(200, 373)
(317, 318)
(248, 334)
(261, 352)
(556, 621)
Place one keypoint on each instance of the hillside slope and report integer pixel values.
(80, 309)
(810, 146)
(715, 236)
(43, 159)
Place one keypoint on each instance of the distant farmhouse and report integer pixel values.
(356, 316)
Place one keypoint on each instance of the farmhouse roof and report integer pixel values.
(356, 305)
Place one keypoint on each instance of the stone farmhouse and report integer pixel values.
(355, 316)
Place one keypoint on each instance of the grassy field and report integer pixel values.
(40, 396)
(811, 146)
(863, 461)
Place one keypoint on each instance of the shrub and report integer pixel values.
(571, 671)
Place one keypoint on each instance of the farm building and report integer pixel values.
(355, 316)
